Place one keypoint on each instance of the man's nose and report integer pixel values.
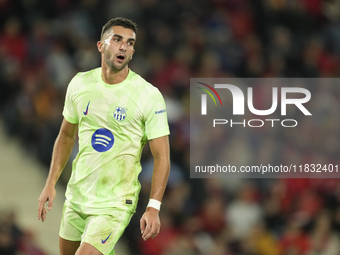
(123, 46)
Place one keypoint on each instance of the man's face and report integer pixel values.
(117, 47)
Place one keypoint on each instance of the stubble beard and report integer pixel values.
(109, 60)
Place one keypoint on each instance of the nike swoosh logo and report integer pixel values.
(104, 241)
(87, 109)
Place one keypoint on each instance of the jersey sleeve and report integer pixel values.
(70, 110)
(156, 120)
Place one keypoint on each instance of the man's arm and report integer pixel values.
(150, 223)
(61, 152)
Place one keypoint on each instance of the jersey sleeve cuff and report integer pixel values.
(158, 133)
(70, 119)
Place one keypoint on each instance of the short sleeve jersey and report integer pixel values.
(114, 124)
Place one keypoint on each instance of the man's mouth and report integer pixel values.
(121, 57)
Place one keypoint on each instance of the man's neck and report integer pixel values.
(110, 76)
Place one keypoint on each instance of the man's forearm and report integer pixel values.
(150, 222)
(61, 152)
(159, 178)
(160, 151)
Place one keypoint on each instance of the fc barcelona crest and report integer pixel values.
(120, 113)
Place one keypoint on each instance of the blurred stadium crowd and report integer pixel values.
(43, 44)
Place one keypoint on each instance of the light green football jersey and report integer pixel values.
(115, 122)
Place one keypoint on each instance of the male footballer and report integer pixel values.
(114, 112)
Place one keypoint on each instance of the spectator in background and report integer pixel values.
(13, 42)
(324, 240)
(244, 212)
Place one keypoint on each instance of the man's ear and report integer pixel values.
(100, 45)
(132, 54)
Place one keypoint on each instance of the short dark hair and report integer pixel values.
(123, 22)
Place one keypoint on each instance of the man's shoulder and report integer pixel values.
(84, 76)
(143, 84)
(82, 79)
